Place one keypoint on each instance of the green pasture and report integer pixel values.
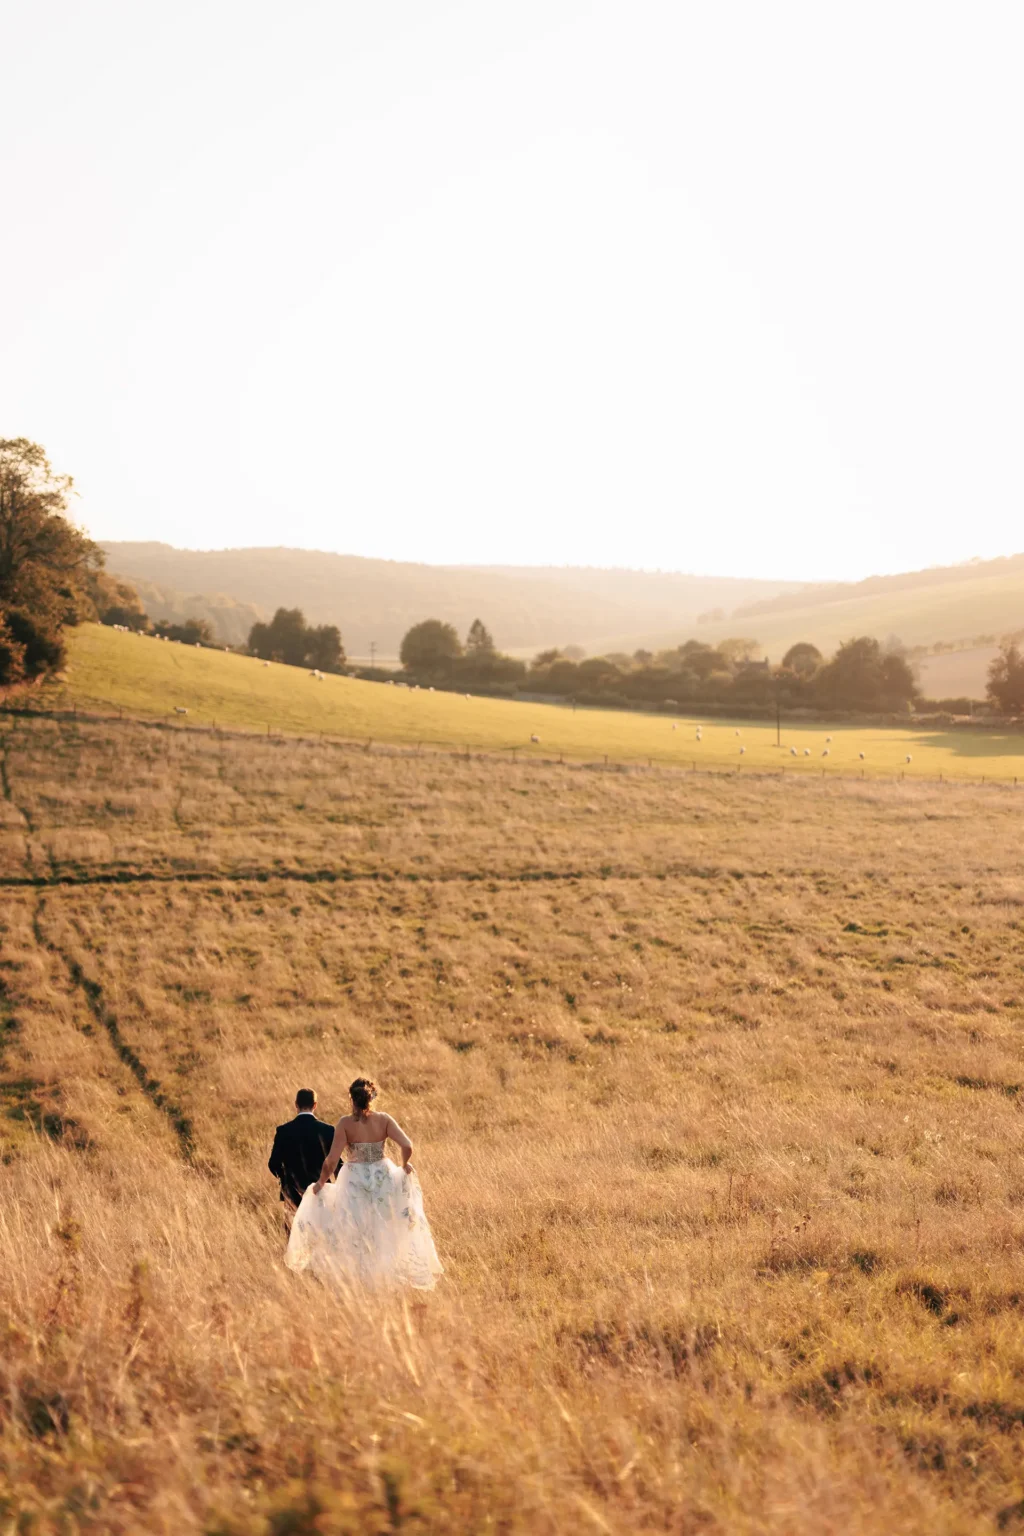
(149, 679)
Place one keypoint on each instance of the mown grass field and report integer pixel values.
(957, 674)
(148, 678)
(716, 1091)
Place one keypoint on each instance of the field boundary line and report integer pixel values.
(104, 1016)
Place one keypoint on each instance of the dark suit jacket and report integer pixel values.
(298, 1154)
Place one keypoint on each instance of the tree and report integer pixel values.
(283, 639)
(803, 658)
(739, 650)
(44, 561)
(191, 632)
(429, 648)
(324, 649)
(113, 600)
(862, 676)
(290, 639)
(701, 659)
(598, 671)
(1005, 685)
(127, 618)
(479, 642)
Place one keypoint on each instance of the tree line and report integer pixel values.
(862, 676)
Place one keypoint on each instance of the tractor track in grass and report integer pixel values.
(112, 879)
(91, 990)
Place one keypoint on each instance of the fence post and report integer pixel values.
(268, 727)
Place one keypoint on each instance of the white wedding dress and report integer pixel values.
(367, 1228)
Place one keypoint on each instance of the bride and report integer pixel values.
(369, 1226)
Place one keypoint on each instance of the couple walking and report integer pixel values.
(367, 1225)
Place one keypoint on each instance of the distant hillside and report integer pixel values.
(378, 600)
(957, 604)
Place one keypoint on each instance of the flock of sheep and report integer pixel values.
(793, 751)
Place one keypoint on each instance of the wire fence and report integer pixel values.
(179, 723)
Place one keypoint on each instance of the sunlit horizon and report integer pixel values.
(712, 291)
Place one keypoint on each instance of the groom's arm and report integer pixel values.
(326, 1134)
(276, 1164)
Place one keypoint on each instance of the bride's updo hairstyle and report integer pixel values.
(362, 1093)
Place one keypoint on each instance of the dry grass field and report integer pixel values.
(716, 1091)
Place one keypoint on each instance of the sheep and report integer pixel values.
(737, 733)
(825, 753)
(742, 749)
(828, 738)
(179, 711)
(909, 758)
(535, 740)
(675, 727)
(861, 756)
(792, 751)
(807, 751)
(266, 663)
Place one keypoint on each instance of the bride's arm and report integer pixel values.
(394, 1130)
(333, 1157)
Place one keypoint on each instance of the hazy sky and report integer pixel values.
(706, 286)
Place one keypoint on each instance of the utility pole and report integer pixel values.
(373, 654)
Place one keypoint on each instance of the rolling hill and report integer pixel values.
(378, 600)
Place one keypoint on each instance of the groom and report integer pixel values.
(300, 1147)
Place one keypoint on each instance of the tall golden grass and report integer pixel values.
(715, 1089)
